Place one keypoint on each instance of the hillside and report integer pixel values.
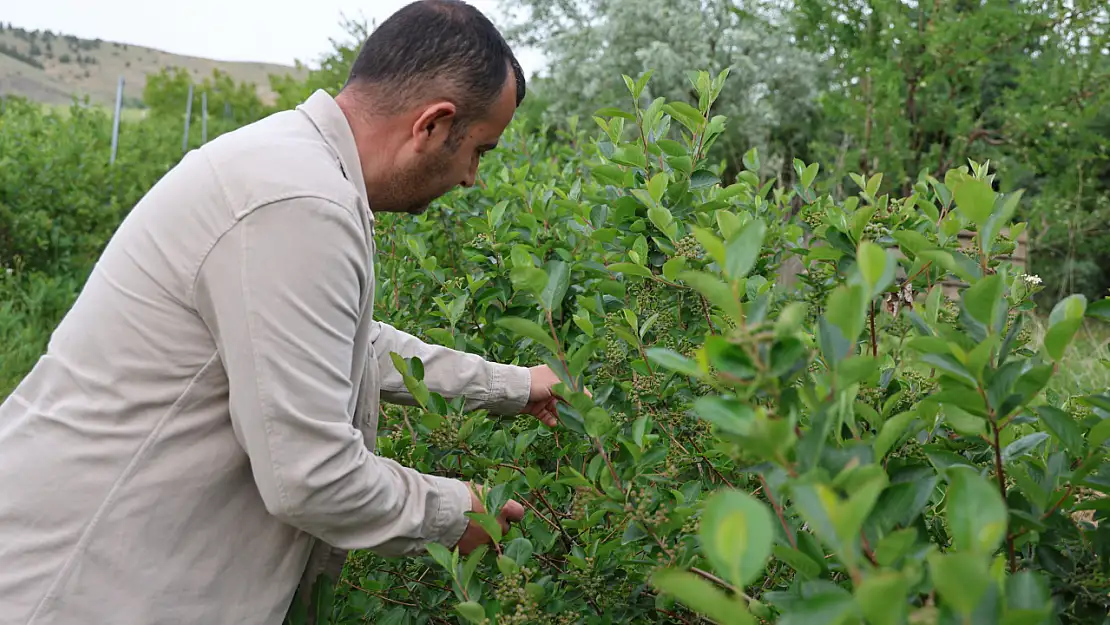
(50, 68)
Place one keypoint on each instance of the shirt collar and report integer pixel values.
(332, 124)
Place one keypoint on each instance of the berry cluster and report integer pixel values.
(582, 498)
(639, 508)
(481, 241)
(446, 436)
(688, 247)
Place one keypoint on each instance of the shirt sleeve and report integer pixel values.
(500, 388)
(281, 293)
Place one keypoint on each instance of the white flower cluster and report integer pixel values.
(1030, 280)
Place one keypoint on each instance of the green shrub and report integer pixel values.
(846, 445)
(853, 446)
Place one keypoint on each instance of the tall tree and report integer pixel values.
(770, 95)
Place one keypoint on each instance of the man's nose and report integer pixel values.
(471, 176)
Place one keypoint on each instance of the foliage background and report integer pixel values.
(839, 124)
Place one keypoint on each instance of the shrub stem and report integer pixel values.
(1001, 475)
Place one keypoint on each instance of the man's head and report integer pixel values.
(432, 88)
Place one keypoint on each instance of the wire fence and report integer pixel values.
(118, 114)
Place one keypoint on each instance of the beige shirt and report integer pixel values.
(204, 418)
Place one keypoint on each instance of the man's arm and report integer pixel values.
(502, 389)
(280, 293)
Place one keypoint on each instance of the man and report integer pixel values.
(196, 442)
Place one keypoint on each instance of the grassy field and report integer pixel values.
(70, 65)
(1087, 363)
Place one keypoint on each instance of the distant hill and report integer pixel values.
(50, 67)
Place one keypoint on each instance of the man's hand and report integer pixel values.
(474, 534)
(542, 400)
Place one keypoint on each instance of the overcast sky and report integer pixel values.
(277, 31)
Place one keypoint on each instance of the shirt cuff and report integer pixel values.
(510, 388)
(450, 519)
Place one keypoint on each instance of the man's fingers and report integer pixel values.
(513, 511)
(548, 417)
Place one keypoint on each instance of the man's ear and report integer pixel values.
(433, 125)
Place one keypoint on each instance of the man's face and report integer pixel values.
(440, 165)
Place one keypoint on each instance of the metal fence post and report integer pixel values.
(188, 116)
(203, 117)
(115, 121)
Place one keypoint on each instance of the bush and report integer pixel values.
(853, 443)
(858, 447)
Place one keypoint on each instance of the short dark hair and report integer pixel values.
(447, 43)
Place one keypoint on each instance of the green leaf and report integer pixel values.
(701, 597)
(471, 611)
(1099, 309)
(715, 291)
(686, 115)
(672, 147)
(528, 279)
(751, 160)
(1022, 446)
(998, 220)
(673, 267)
(882, 598)
(873, 265)
(809, 175)
(529, 329)
(847, 310)
(1098, 434)
(614, 112)
(743, 248)
(558, 280)
(703, 179)
(674, 361)
(736, 534)
(961, 578)
(983, 299)
(1059, 336)
(712, 244)
(974, 199)
(787, 355)
(948, 364)
(457, 307)
(441, 555)
(597, 422)
(976, 514)
(1072, 307)
(496, 213)
(895, 545)
(630, 269)
(800, 562)
(472, 562)
(1028, 591)
(728, 414)
(728, 357)
(1063, 427)
(630, 155)
(892, 431)
(929, 345)
(662, 219)
(822, 607)
(910, 241)
(488, 522)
